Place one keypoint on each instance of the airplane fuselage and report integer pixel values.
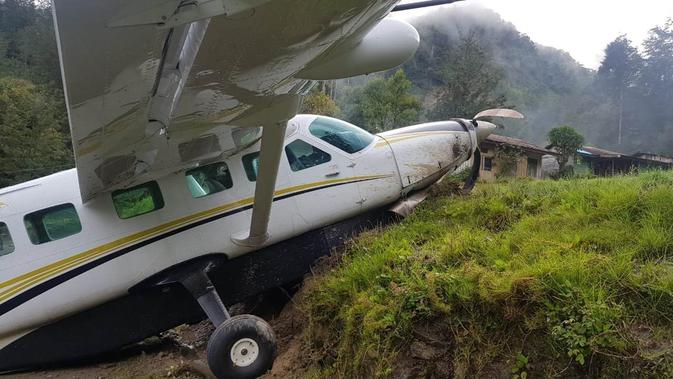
(172, 203)
(319, 183)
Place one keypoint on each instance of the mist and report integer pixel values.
(544, 83)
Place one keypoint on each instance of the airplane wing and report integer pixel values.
(156, 86)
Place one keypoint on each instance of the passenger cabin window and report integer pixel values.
(251, 165)
(52, 224)
(138, 200)
(344, 136)
(6, 243)
(302, 155)
(210, 179)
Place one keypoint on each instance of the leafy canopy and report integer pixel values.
(620, 66)
(320, 103)
(387, 103)
(469, 81)
(31, 144)
(566, 141)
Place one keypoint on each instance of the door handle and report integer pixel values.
(332, 174)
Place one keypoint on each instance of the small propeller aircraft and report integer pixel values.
(197, 184)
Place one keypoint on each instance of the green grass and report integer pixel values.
(567, 278)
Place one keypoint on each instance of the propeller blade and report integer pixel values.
(422, 4)
(504, 113)
(474, 173)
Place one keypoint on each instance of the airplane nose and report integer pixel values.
(484, 129)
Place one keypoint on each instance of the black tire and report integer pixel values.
(233, 338)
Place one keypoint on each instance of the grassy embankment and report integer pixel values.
(567, 278)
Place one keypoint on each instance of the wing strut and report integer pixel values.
(273, 139)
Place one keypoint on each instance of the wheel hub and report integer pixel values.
(244, 352)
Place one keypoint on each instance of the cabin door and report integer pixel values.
(323, 182)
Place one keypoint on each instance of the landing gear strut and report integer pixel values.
(242, 346)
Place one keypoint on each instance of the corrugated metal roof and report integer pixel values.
(601, 152)
(595, 152)
(502, 140)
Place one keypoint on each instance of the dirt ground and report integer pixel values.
(181, 352)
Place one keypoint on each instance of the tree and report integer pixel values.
(387, 103)
(469, 81)
(658, 69)
(28, 42)
(656, 83)
(617, 73)
(320, 103)
(566, 141)
(31, 144)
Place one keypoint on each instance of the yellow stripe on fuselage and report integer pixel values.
(25, 281)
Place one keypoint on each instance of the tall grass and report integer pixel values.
(552, 278)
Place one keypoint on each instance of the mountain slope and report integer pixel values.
(542, 82)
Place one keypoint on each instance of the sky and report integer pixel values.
(583, 28)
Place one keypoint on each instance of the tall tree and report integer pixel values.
(617, 73)
(15, 15)
(469, 81)
(387, 103)
(28, 43)
(656, 80)
(31, 144)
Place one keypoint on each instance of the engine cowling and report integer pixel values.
(425, 152)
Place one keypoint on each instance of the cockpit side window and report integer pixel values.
(340, 134)
(302, 155)
(6, 242)
(209, 179)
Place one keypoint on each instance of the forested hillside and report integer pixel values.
(498, 60)
(470, 59)
(34, 134)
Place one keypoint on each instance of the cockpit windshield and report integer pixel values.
(340, 134)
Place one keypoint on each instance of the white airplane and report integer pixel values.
(196, 182)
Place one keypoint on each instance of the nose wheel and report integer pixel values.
(241, 347)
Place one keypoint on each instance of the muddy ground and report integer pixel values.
(181, 352)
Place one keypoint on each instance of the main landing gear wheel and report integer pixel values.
(241, 347)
